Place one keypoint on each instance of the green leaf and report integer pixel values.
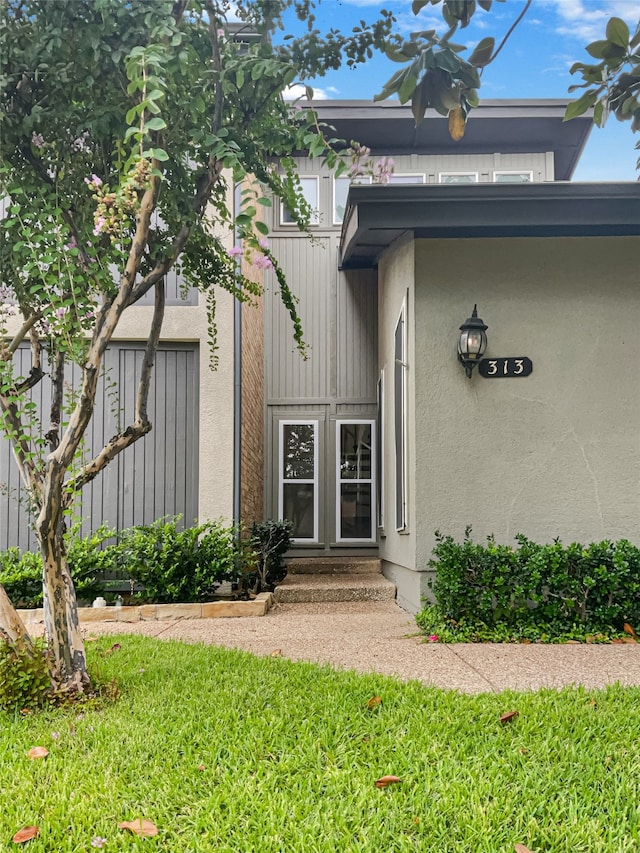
(419, 102)
(598, 114)
(407, 88)
(131, 115)
(618, 32)
(485, 4)
(158, 154)
(597, 48)
(483, 52)
(155, 123)
(579, 107)
(418, 5)
(262, 227)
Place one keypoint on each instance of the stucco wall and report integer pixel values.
(395, 287)
(553, 454)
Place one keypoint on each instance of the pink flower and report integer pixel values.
(72, 243)
(37, 139)
(234, 251)
(98, 841)
(55, 735)
(60, 312)
(433, 638)
(100, 223)
(262, 262)
(263, 243)
(94, 181)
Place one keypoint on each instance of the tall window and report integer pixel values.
(355, 443)
(298, 487)
(380, 452)
(399, 404)
(309, 186)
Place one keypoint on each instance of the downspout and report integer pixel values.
(237, 382)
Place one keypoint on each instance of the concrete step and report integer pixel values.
(339, 586)
(334, 565)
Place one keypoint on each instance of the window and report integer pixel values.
(355, 445)
(309, 187)
(458, 177)
(298, 480)
(399, 403)
(379, 455)
(396, 178)
(340, 193)
(513, 177)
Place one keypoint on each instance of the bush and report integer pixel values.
(553, 588)
(179, 565)
(25, 681)
(270, 540)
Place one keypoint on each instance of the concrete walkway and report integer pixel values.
(381, 637)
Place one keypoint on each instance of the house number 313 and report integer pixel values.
(495, 368)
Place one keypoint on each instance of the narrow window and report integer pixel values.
(355, 444)
(298, 487)
(399, 402)
(380, 451)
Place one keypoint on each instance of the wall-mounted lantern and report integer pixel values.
(472, 342)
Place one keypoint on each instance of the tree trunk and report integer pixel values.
(62, 626)
(11, 625)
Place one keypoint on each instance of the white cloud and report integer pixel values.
(586, 20)
(293, 93)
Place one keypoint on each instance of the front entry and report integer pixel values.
(326, 480)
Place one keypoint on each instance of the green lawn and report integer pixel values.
(227, 752)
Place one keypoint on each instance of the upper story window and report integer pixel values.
(458, 177)
(512, 177)
(399, 178)
(309, 186)
(340, 193)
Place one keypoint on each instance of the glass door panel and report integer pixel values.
(298, 486)
(355, 448)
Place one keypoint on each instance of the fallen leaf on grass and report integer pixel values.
(38, 752)
(618, 642)
(201, 767)
(91, 639)
(628, 629)
(142, 826)
(520, 848)
(276, 653)
(506, 718)
(374, 702)
(383, 781)
(26, 834)
(114, 648)
(629, 640)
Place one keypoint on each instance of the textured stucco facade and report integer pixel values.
(555, 454)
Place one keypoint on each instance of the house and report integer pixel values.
(379, 438)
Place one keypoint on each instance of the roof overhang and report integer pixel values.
(378, 215)
(506, 126)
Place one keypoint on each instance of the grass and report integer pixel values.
(290, 754)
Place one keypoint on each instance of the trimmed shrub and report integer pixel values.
(553, 587)
(179, 565)
(25, 680)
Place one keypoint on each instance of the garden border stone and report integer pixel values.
(259, 606)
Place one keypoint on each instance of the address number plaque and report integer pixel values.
(494, 368)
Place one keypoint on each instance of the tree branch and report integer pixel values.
(141, 425)
(57, 380)
(511, 29)
(22, 334)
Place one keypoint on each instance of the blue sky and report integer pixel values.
(534, 64)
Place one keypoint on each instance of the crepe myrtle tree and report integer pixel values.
(123, 125)
(437, 73)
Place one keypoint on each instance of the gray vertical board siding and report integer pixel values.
(310, 270)
(156, 477)
(357, 334)
(174, 295)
